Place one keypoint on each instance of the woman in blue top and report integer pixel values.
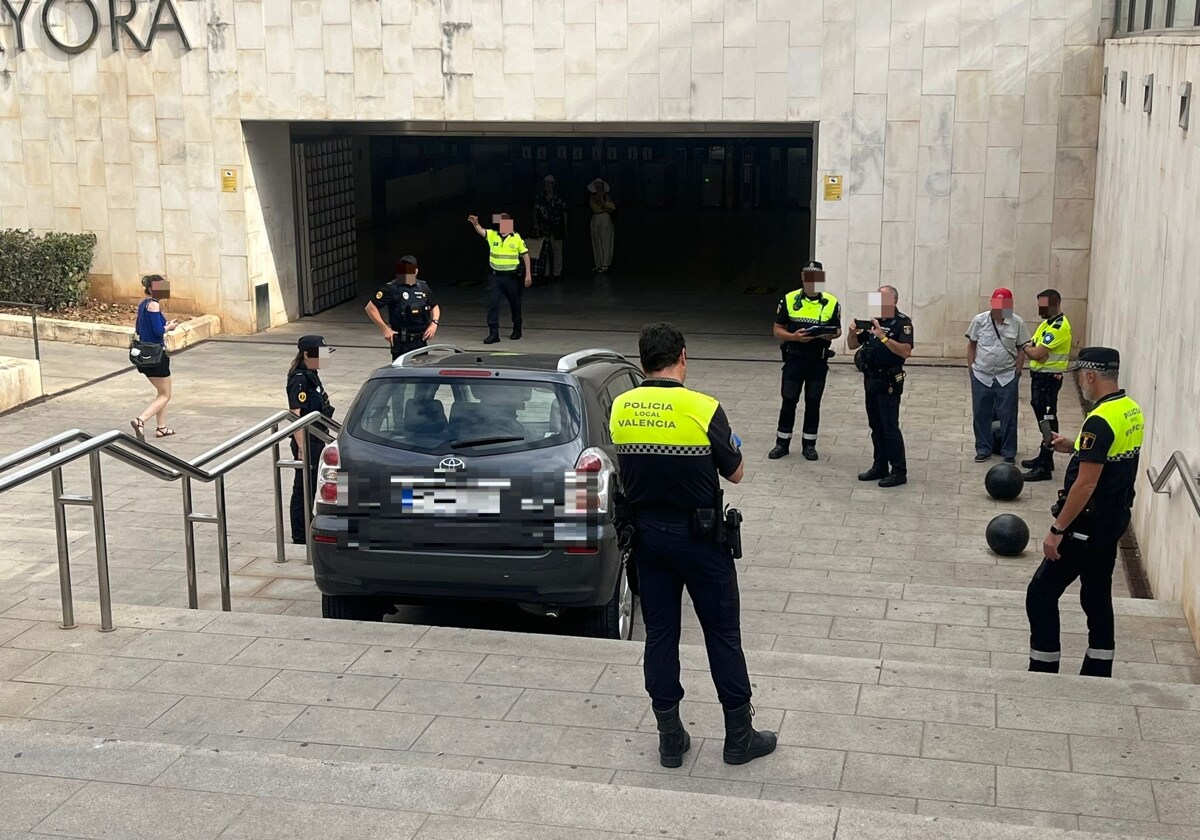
(151, 328)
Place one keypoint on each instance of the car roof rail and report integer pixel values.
(576, 360)
(408, 357)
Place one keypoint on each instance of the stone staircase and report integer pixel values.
(203, 724)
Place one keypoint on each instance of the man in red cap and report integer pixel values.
(995, 343)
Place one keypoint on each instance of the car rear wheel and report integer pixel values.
(352, 607)
(615, 619)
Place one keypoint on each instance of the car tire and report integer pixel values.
(352, 607)
(614, 620)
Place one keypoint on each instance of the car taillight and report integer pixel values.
(331, 487)
(586, 486)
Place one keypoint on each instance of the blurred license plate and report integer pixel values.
(449, 500)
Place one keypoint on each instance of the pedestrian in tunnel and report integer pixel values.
(807, 320)
(151, 328)
(506, 251)
(1048, 352)
(995, 340)
(1091, 514)
(674, 446)
(405, 310)
(881, 353)
(550, 223)
(306, 394)
(603, 234)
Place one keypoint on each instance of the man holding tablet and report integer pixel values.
(807, 321)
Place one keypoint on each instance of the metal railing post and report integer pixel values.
(64, 552)
(189, 544)
(37, 350)
(223, 545)
(101, 536)
(305, 464)
(277, 488)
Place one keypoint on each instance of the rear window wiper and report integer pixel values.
(462, 444)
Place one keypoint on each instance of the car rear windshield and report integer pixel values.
(469, 415)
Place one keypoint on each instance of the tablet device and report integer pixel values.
(860, 324)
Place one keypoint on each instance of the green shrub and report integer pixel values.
(51, 270)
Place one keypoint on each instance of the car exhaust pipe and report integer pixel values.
(541, 610)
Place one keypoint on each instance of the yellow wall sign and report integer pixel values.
(229, 180)
(833, 187)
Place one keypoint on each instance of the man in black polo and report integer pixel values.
(881, 353)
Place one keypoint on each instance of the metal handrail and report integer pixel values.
(165, 466)
(1191, 480)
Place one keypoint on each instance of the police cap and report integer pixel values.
(308, 343)
(1098, 358)
(813, 265)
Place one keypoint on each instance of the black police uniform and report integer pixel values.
(408, 308)
(883, 382)
(805, 367)
(305, 392)
(1112, 436)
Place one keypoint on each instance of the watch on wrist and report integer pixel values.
(1055, 531)
(434, 321)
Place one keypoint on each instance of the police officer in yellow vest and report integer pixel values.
(807, 320)
(506, 251)
(1048, 353)
(1091, 514)
(673, 446)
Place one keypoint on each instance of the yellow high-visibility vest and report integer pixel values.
(1055, 336)
(505, 251)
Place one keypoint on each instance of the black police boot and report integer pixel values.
(809, 451)
(781, 448)
(673, 739)
(1096, 667)
(1038, 474)
(742, 742)
(894, 480)
(874, 474)
(493, 338)
(1030, 463)
(516, 334)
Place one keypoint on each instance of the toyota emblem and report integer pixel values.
(452, 464)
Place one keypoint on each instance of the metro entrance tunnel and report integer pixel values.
(709, 230)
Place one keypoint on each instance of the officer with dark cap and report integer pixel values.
(881, 353)
(306, 394)
(412, 311)
(807, 320)
(1091, 514)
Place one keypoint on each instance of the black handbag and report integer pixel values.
(144, 355)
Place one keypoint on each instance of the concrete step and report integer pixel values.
(90, 787)
(1117, 756)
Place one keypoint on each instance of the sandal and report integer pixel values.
(163, 431)
(139, 427)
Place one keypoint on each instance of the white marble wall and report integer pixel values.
(965, 129)
(1145, 300)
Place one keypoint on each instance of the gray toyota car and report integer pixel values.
(477, 476)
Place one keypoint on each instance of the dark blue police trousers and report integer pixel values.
(668, 559)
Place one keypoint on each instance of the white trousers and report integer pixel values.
(602, 239)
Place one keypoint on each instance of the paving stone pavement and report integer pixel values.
(885, 644)
(831, 565)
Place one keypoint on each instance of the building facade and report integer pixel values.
(963, 132)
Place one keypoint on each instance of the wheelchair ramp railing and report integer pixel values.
(51, 455)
